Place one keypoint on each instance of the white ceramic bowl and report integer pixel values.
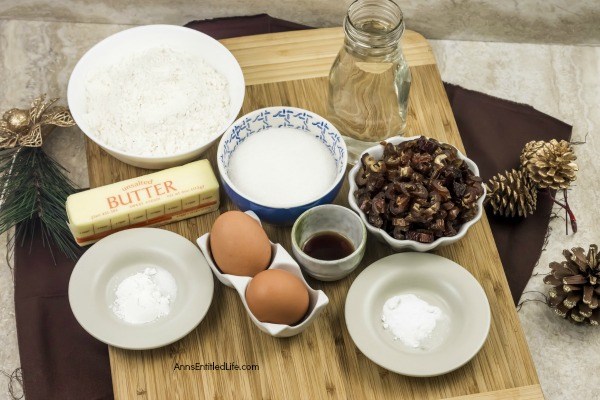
(383, 236)
(281, 260)
(131, 40)
(329, 218)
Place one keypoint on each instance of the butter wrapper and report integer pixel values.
(150, 200)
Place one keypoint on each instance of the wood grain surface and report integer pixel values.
(532, 392)
(306, 54)
(290, 69)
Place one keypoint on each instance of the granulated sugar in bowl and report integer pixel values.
(156, 96)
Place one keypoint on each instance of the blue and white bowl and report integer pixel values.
(278, 117)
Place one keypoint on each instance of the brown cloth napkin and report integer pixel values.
(223, 28)
(494, 131)
(61, 361)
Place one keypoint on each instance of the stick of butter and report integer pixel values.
(150, 200)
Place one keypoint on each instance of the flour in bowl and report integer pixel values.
(156, 102)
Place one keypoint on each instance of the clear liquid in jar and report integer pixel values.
(368, 96)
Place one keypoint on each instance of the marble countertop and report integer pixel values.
(560, 80)
(522, 21)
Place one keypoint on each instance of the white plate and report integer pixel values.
(99, 271)
(438, 281)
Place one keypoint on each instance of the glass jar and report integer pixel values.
(369, 81)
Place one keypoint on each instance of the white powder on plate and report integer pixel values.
(410, 319)
(157, 101)
(145, 296)
(282, 167)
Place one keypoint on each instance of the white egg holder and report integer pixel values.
(281, 259)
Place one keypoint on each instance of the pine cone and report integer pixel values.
(511, 194)
(550, 164)
(576, 284)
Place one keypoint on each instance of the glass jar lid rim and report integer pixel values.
(398, 26)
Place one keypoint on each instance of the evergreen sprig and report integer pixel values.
(33, 191)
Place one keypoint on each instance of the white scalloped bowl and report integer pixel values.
(281, 260)
(401, 245)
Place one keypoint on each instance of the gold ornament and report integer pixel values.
(550, 164)
(26, 128)
(17, 119)
(511, 194)
(576, 286)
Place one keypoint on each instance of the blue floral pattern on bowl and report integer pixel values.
(280, 117)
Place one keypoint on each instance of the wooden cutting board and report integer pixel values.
(291, 69)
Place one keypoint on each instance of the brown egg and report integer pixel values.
(239, 245)
(278, 297)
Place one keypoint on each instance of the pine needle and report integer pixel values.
(34, 188)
